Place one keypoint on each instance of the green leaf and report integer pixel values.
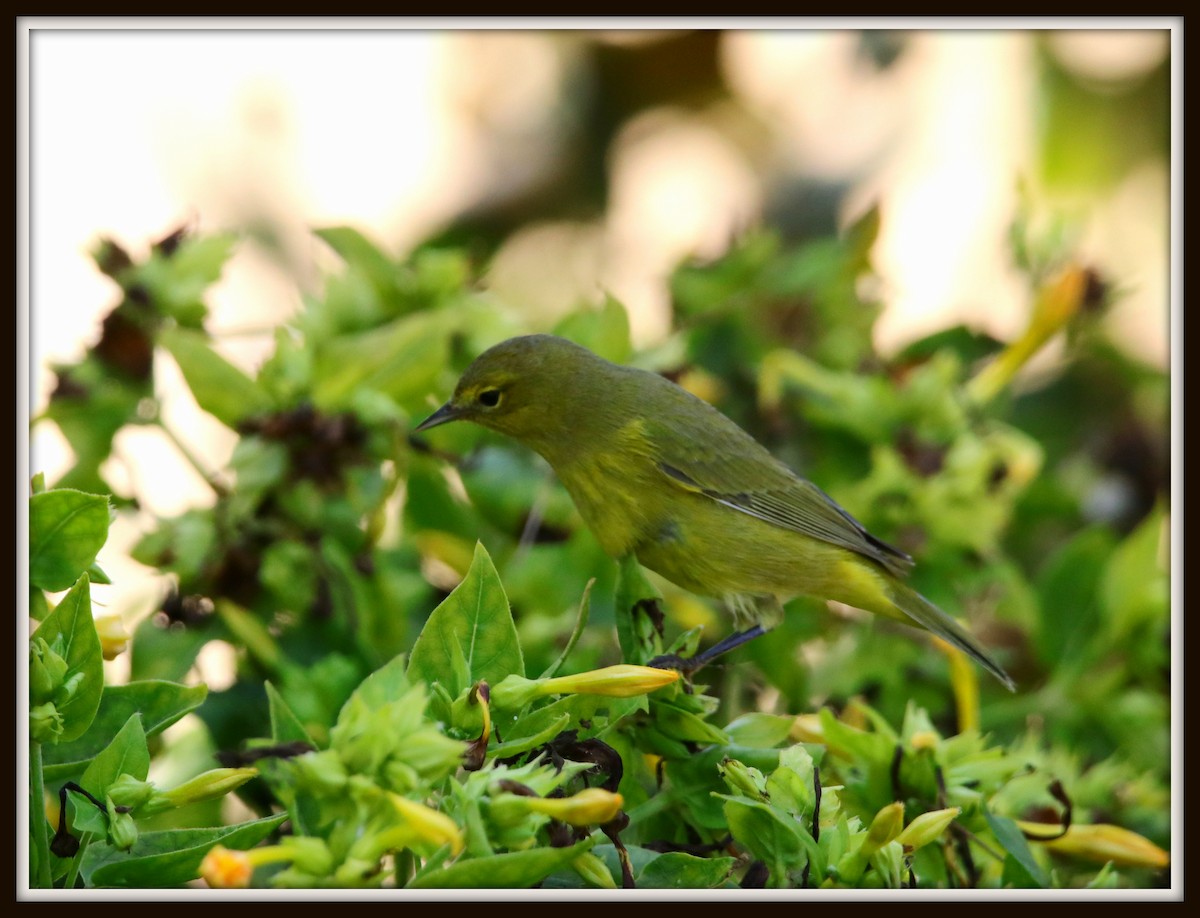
(170, 858)
(1068, 590)
(515, 870)
(635, 630)
(359, 252)
(676, 870)
(470, 635)
(764, 731)
(66, 531)
(71, 624)
(158, 704)
(387, 684)
(1134, 586)
(285, 725)
(161, 653)
(127, 754)
(218, 386)
(604, 331)
(402, 359)
(1013, 841)
(775, 839)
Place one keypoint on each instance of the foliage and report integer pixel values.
(439, 672)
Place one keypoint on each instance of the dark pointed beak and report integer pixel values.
(443, 415)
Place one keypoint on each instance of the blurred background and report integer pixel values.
(578, 163)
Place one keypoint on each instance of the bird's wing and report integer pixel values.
(721, 461)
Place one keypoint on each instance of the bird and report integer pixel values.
(662, 475)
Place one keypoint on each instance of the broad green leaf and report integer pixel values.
(159, 704)
(285, 725)
(676, 870)
(170, 858)
(402, 359)
(515, 870)
(1013, 841)
(362, 254)
(218, 386)
(71, 624)
(66, 530)
(774, 838)
(387, 684)
(127, 754)
(604, 331)
(167, 653)
(762, 730)
(1068, 590)
(471, 635)
(1134, 587)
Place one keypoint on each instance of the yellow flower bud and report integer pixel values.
(590, 807)
(621, 681)
(214, 783)
(885, 827)
(113, 636)
(1101, 843)
(927, 827)
(428, 823)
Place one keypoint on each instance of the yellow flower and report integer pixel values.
(590, 807)
(1102, 843)
(113, 636)
(226, 869)
(428, 823)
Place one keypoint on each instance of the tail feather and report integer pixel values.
(928, 616)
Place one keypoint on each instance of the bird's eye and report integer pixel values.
(489, 398)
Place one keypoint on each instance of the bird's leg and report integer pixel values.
(693, 663)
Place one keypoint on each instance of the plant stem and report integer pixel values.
(37, 816)
(73, 871)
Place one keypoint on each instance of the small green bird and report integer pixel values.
(664, 476)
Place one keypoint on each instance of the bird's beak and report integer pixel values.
(443, 415)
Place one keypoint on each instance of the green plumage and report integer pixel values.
(661, 474)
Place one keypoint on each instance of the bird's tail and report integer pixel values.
(928, 616)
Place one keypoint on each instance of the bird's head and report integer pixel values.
(529, 388)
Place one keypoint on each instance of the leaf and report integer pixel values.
(170, 858)
(1068, 590)
(218, 386)
(470, 635)
(388, 683)
(777, 840)
(764, 731)
(1025, 869)
(159, 704)
(676, 870)
(127, 754)
(515, 870)
(401, 359)
(359, 252)
(67, 529)
(72, 622)
(166, 653)
(604, 331)
(635, 630)
(1134, 588)
(285, 725)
